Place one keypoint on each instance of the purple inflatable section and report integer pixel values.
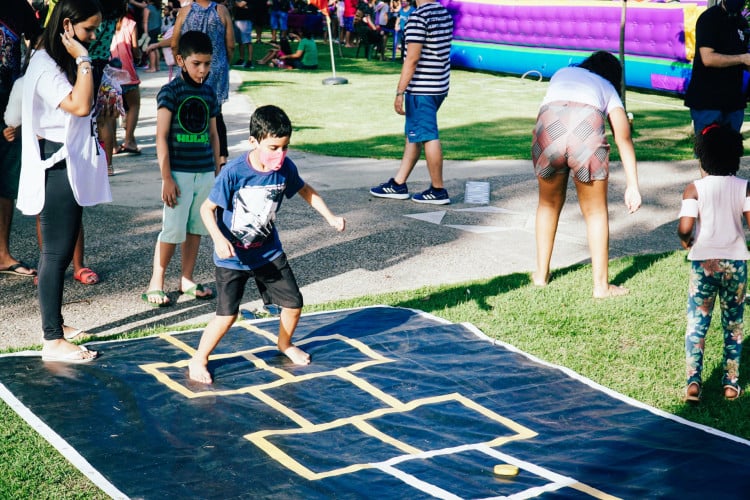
(652, 30)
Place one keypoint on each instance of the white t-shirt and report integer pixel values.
(575, 84)
(45, 86)
(13, 109)
(722, 200)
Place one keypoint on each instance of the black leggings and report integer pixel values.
(60, 221)
(221, 130)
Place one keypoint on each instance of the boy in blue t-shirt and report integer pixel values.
(239, 215)
(187, 149)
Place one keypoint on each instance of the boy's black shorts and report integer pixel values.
(275, 282)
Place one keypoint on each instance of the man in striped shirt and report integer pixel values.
(422, 87)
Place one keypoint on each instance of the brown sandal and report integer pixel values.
(693, 393)
(732, 392)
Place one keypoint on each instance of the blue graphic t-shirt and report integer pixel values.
(248, 201)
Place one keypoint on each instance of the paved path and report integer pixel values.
(389, 245)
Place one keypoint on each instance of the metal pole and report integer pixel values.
(622, 50)
(333, 80)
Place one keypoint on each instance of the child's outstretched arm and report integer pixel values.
(688, 216)
(312, 197)
(222, 246)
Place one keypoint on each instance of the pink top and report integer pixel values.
(122, 48)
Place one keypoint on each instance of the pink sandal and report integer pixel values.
(86, 276)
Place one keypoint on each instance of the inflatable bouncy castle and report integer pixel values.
(541, 36)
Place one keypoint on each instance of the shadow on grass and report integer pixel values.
(459, 142)
(479, 292)
(639, 264)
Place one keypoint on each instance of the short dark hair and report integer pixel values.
(719, 148)
(270, 121)
(194, 42)
(605, 65)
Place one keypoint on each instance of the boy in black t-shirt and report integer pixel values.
(187, 149)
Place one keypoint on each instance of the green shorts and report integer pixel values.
(185, 217)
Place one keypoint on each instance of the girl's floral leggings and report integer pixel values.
(709, 278)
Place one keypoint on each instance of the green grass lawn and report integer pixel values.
(486, 116)
(632, 344)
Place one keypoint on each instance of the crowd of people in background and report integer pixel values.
(94, 51)
(139, 35)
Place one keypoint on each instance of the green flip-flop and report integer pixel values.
(198, 288)
(156, 293)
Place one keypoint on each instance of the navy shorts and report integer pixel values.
(275, 280)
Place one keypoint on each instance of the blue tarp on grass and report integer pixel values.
(396, 404)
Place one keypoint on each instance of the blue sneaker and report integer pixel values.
(432, 196)
(391, 190)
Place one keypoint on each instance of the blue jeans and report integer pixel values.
(702, 118)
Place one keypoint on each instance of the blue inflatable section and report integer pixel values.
(641, 72)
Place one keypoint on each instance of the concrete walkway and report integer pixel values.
(389, 245)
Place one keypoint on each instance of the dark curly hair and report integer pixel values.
(719, 148)
(605, 65)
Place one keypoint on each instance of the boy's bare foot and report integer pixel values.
(199, 372)
(611, 291)
(297, 355)
(539, 281)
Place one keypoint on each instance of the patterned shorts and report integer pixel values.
(570, 135)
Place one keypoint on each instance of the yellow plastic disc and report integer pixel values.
(505, 470)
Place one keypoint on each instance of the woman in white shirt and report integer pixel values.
(63, 168)
(570, 136)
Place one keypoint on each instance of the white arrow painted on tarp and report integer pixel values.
(437, 218)
(431, 217)
(488, 209)
(479, 229)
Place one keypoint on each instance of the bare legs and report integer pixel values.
(133, 100)
(592, 198)
(215, 330)
(163, 254)
(552, 194)
(287, 324)
(433, 154)
(107, 130)
(6, 218)
(246, 52)
(217, 327)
